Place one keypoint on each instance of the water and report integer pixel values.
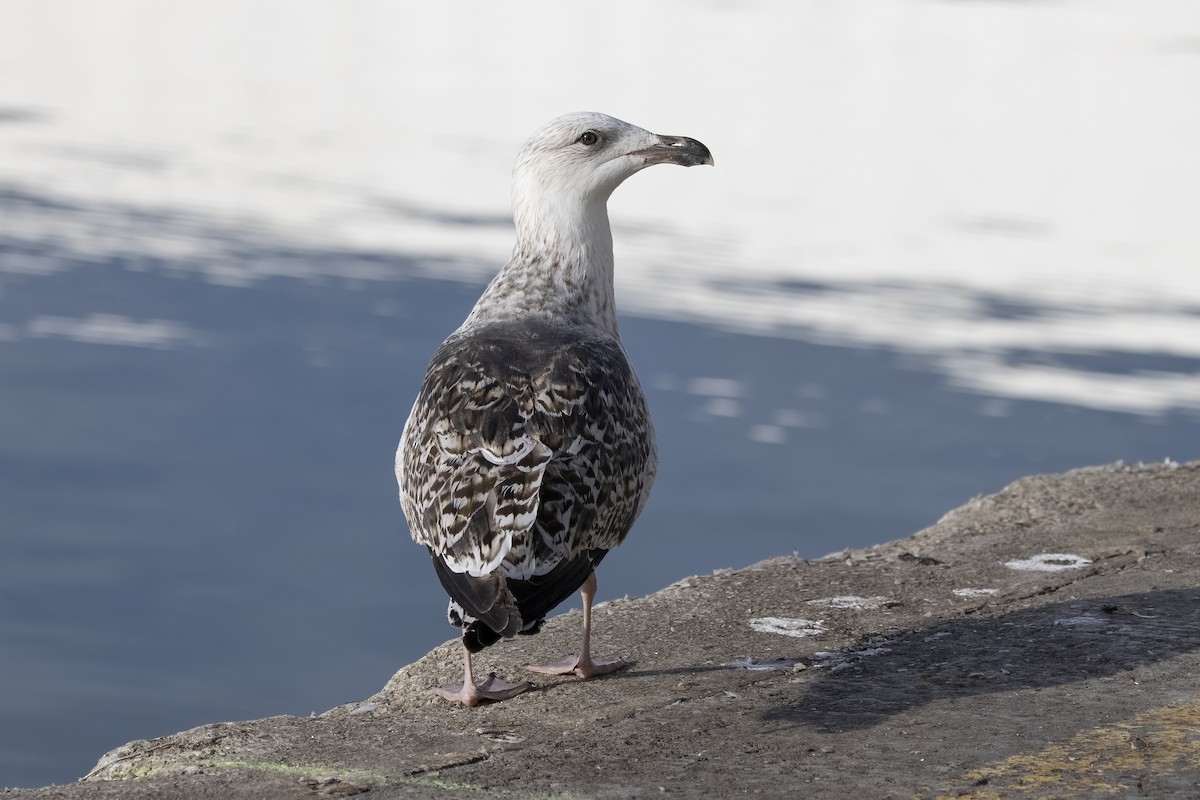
(223, 269)
(206, 528)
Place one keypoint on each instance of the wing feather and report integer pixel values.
(525, 447)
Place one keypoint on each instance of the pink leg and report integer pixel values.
(583, 666)
(470, 693)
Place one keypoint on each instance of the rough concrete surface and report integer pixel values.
(941, 665)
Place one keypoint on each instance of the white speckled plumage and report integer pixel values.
(529, 451)
(529, 443)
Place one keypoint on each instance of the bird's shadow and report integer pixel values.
(1051, 645)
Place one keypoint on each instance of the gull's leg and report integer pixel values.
(470, 693)
(583, 666)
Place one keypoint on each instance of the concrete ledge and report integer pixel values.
(1039, 642)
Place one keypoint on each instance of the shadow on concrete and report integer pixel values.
(1040, 647)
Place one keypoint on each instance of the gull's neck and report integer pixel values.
(561, 267)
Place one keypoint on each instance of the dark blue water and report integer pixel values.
(209, 530)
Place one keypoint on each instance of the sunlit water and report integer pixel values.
(223, 268)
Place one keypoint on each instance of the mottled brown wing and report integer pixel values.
(524, 448)
(595, 419)
(469, 473)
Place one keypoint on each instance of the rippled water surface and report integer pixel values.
(222, 274)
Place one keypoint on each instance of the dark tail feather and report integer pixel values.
(478, 636)
(503, 608)
(541, 594)
(486, 598)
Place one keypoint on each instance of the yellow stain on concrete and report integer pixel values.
(1105, 760)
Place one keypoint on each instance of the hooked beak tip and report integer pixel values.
(681, 150)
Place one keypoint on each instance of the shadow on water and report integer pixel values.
(44, 234)
(19, 115)
(196, 440)
(401, 211)
(1047, 646)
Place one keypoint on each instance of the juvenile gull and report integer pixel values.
(529, 451)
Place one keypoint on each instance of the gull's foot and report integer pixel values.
(573, 665)
(491, 690)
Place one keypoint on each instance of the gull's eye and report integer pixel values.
(588, 138)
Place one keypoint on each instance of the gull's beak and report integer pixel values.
(676, 150)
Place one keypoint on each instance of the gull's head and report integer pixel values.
(581, 158)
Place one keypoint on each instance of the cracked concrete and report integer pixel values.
(1044, 641)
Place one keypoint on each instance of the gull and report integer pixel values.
(529, 451)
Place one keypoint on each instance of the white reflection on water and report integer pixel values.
(114, 329)
(1039, 196)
